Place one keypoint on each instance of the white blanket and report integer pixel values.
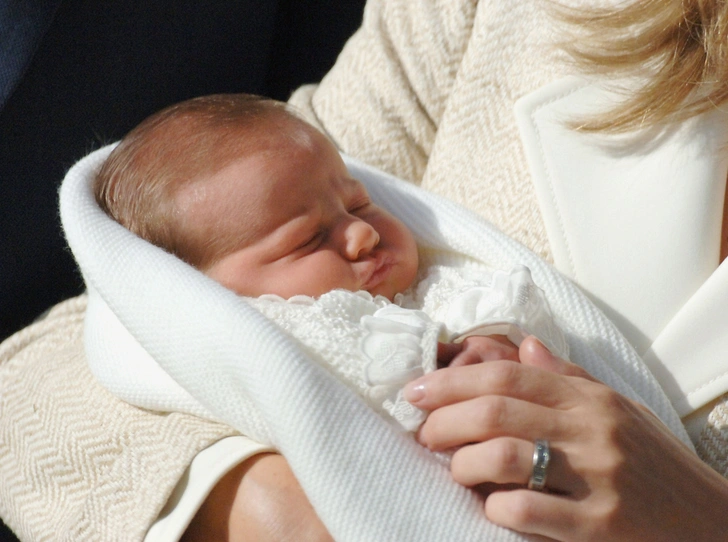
(366, 480)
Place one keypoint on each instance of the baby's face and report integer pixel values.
(305, 226)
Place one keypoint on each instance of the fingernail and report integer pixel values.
(414, 392)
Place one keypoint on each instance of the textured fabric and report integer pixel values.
(366, 480)
(713, 444)
(75, 462)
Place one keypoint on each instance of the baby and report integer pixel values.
(257, 199)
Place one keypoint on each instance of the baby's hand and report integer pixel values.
(476, 349)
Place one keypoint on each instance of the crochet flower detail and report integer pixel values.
(393, 342)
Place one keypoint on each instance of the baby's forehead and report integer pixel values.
(279, 154)
(281, 135)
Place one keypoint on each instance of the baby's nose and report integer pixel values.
(361, 238)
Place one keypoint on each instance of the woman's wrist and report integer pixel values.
(260, 500)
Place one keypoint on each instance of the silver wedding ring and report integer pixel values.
(541, 458)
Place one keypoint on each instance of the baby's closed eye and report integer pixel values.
(311, 242)
(359, 205)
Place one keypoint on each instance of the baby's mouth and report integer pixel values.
(378, 274)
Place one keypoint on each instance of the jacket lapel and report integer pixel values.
(636, 220)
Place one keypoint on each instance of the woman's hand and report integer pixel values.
(616, 472)
(259, 500)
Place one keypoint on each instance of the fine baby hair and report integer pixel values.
(179, 145)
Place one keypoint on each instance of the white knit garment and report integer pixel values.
(369, 343)
(366, 480)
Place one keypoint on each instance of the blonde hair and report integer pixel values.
(679, 48)
(186, 142)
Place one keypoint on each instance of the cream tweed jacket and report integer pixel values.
(424, 90)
